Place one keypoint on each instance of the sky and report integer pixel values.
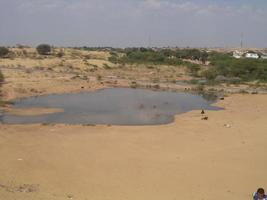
(128, 23)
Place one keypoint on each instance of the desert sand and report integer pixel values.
(223, 157)
(31, 111)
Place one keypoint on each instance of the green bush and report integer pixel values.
(3, 51)
(43, 49)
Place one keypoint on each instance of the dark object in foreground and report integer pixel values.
(205, 118)
(259, 195)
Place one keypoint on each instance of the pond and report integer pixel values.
(116, 106)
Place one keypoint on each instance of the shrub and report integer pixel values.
(210, 74)
(1, 78)
(112, 53)
(43, 49)
(106, 66)
(99, 77)
(133, 84)
(192, 54)
(3, 51)
(113, 59)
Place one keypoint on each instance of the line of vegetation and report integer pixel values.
(105, 49)
(225, 68)
(161, 57)
(3, 53)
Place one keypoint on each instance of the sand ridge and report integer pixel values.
(31, 111)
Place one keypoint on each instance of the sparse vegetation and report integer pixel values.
(193, 68)
(113, 59)
(99, 77)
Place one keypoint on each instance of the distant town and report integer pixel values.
(250, 54)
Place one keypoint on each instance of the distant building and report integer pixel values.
(238, 54)
(252, 55)
(264, 56)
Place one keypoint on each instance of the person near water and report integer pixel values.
(259, 195)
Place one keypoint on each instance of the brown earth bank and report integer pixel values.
(28, 74)
(222, 157)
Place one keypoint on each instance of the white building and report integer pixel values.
(237, 54)
(252, 55)
(264, 56)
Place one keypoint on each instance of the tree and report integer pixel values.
(3, 51)
(43, 49)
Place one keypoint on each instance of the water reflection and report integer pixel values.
(119, 106)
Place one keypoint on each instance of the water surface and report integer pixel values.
(117, 106)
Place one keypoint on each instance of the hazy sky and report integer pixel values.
(122, 23)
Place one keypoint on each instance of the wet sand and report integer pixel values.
(31, 111)
(223, 157)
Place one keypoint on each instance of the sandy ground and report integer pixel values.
(31, 111)
(222, 158)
